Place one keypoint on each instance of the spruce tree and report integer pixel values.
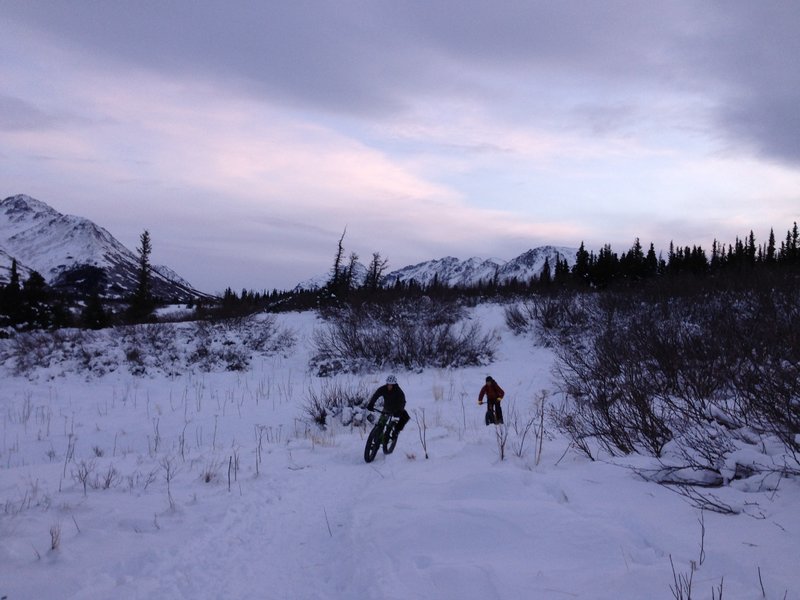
(580, 270)
(142, 302)
(11, 296)
(94, 316)
(770, 256)
(546, 277)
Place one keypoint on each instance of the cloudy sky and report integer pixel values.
(246, 135)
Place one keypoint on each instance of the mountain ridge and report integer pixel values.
(74, 253)
(453, 271)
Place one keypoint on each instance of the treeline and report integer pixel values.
(33, 304)
(740, 261)
(607, 268)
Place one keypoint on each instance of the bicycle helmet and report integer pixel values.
(391, 379)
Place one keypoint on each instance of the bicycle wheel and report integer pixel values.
(389, 441)
(373, 443)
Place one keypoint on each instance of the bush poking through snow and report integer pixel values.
(55, 537)
(337, 400)
(407, 335)
(156, 348)
(705, 383)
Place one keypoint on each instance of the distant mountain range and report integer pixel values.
(73, 253)
(453, 271)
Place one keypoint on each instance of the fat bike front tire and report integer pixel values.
(389, 442)
(373, 443)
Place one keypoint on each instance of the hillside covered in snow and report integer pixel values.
(74, 253)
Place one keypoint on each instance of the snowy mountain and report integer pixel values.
(456, 272)
(449, 270)
(73, 252)
(472, 271)
(530, 264)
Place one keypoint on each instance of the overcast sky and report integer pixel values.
(245, 136)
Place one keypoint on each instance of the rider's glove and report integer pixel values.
(499, 398)
(480, 402)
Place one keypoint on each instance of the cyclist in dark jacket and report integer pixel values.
(494, 393)
(394, 402)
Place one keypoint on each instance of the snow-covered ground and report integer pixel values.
(305, 517)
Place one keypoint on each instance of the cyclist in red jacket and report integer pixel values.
(494, 394)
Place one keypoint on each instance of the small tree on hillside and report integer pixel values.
(546, 277)
(94, 315)
(10, 297)
(142, 302)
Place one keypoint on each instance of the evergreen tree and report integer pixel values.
(606, 268)
(771, 257)
(350, 274)
(562, 273)
(750, 250)
(142, 303)
(546, 278)
(334, 290)
(11, 297)
(580, 270)
(651, 262)
(35, 312)
(337, 271)
(94, 316)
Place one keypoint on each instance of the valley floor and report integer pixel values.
(219, 488)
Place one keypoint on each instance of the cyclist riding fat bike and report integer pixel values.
(394, 402)
(494, 394)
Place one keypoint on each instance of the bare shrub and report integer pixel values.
(412, 336)
(151, 346)
(55, 537)
(170, 469)
(422, 429)
(34, 350)
(337, 399)
(210, 473)
(695, 377)
(230, 343)
(551, 317)
(83, 473)
(501, 436)
(528, 427)
(111, 478)
(167, 348)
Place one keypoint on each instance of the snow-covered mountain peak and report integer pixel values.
(472, 271)
(61, 247)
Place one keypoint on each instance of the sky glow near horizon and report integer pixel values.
(246, 136)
